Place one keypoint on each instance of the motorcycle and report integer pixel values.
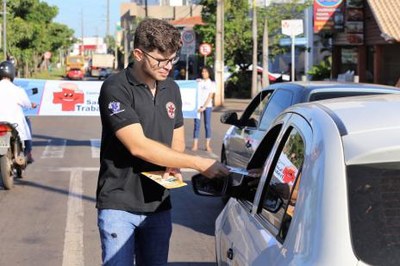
(13, 161)
(12, 158)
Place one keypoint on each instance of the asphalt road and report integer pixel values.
(49, 217)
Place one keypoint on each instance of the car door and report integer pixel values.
(238, 148)
(254, 227)
(275, 201)
(231, 227)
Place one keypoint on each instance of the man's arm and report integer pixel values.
(178, 139)
(139, 145)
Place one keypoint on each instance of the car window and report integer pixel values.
(323, 95)
(256, 107)
(247, 191)
(277, 205)
(373, 195)
(280, 100)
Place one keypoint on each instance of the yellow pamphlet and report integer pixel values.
(169, 183)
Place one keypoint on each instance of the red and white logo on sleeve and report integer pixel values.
(171, 109)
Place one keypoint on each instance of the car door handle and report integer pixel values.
(229, 254)
(248, 144)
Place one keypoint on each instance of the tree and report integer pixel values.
(31, 32)
(238, 32)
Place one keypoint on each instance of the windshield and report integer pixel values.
(374, 202)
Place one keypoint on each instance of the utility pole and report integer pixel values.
(82, 50)
(265, 53)
(219, 54)
(108, 19)
(254, 83)
(5, 29)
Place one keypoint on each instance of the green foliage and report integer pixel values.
(110, 41)
(31, 32)
(321, 71)
(238, 42)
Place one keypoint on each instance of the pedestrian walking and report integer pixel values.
(142, 131)
(205, 93)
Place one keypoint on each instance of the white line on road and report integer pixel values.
(73, 241)
(95, 145)
(54, 149)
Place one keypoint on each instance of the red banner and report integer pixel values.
(328, 15)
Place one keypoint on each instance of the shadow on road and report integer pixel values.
(193, 211)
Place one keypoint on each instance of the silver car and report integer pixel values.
(325, 189)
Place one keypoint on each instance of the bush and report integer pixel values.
(321, 71)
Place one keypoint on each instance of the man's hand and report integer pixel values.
(173, 171)
(34, 105)
(212, 168)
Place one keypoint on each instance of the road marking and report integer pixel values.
(95, 145)
(54, 149)
(73, 240)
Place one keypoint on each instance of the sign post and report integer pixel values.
(292, 27)
(189, 47)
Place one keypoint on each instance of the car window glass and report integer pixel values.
(247, 191)
(279, 102)
(373, 199)
(287, 218)
(256, 107)
(286, 169)
(323, 95)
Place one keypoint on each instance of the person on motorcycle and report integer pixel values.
(12, 101)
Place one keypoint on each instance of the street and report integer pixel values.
(49, 217)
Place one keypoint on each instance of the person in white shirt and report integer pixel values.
(206, 90)
(12, 101)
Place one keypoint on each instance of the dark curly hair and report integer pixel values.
(152, 34)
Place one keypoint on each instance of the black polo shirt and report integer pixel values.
(124, 101)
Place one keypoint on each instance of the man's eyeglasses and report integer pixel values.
(163, 62)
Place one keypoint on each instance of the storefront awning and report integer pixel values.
(386, 13)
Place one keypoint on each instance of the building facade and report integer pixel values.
(370, 42)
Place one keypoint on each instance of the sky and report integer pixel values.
(94, 15)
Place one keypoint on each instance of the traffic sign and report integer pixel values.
(189, 42)
(47, 55)
(188, 36)
(205, 49)
(292, 27)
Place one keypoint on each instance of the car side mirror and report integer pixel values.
(205, 186)
(252, 122)
(230, 118)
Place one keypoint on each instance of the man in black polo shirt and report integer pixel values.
(141, 114)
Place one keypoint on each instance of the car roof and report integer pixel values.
(308, 86)
(369, 125)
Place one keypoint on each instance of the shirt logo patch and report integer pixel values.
(115, 108)
(170, 109)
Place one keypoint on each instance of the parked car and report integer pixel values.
(246, 132)
(75, 73)
(105, 73)
(328, 192)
